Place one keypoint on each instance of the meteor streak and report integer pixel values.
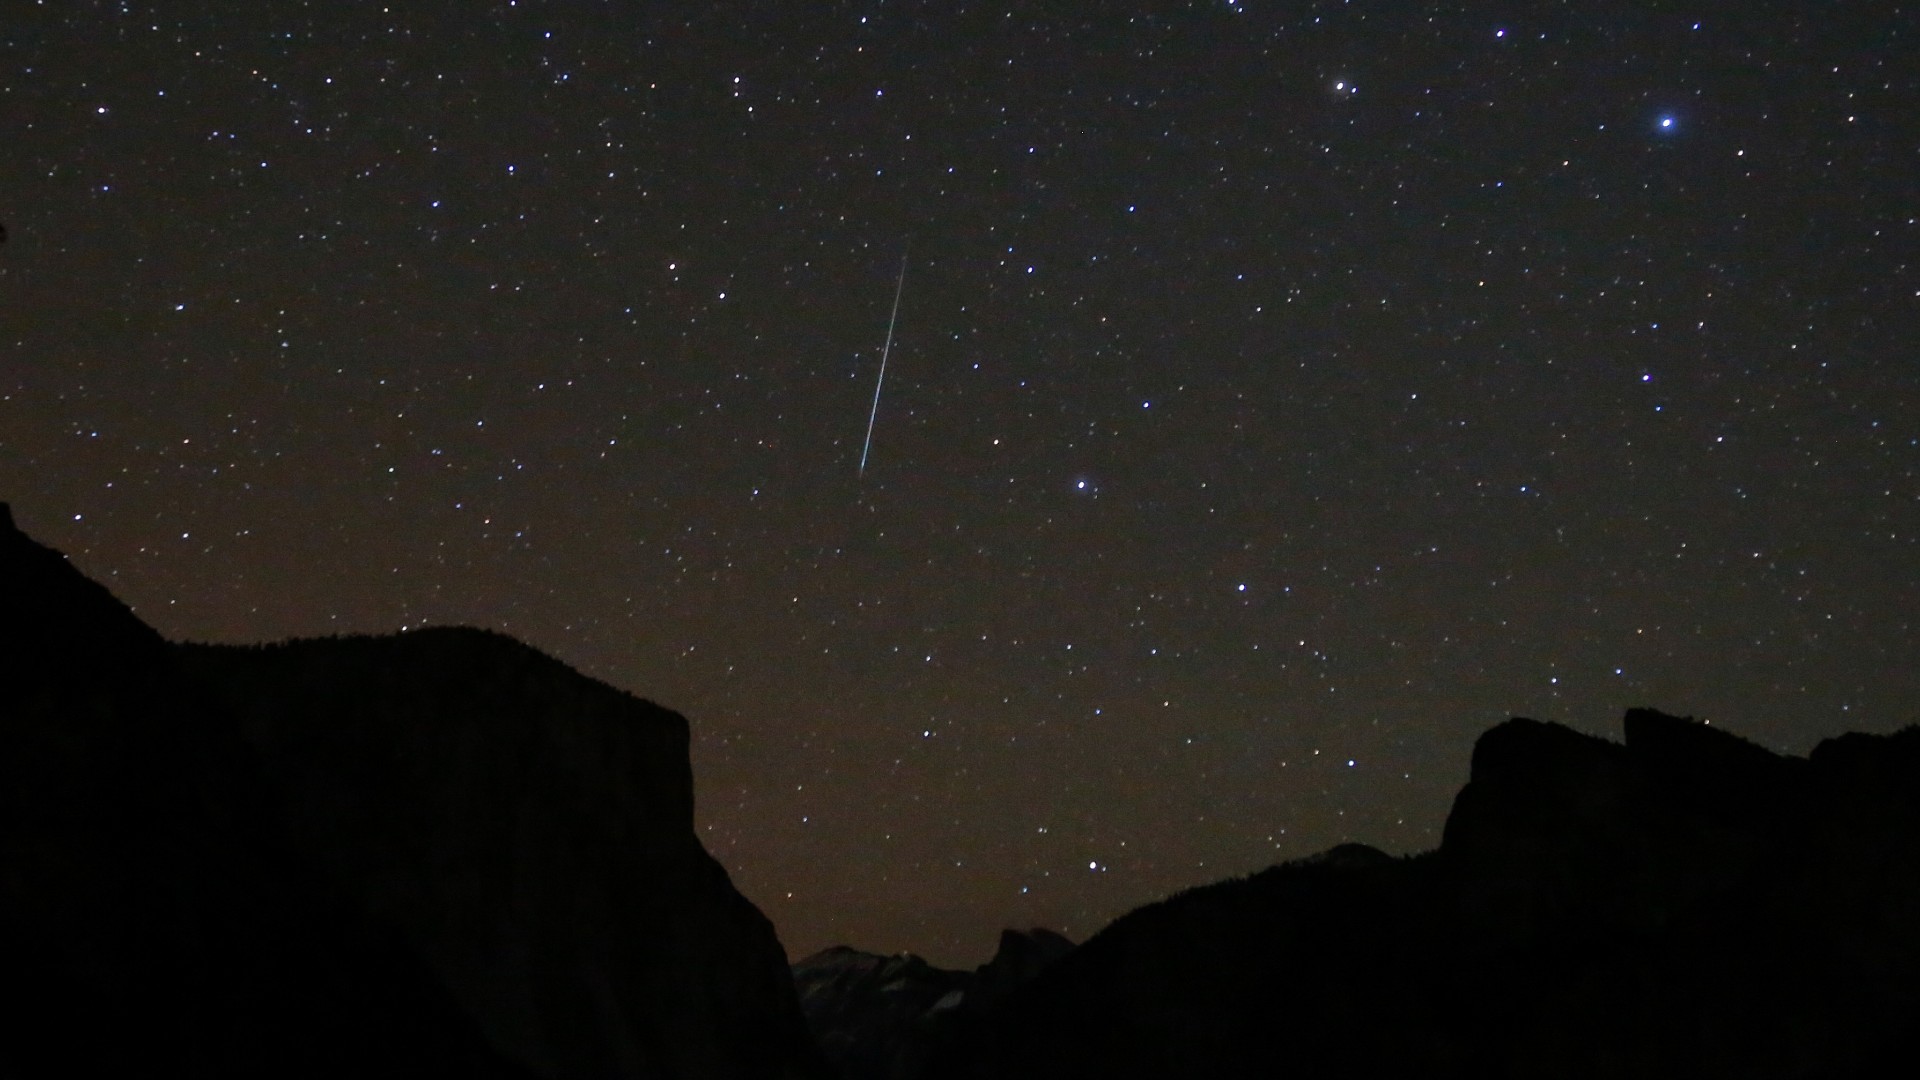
(898, 287)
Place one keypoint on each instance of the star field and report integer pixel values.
(1281, 394)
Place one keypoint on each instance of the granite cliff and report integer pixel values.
(430, 854)
(530, 831)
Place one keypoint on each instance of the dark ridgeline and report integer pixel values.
(878, 1017)
(440, 854)
(1684, 905)
(444, 854)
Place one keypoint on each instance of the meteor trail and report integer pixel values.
(899, 287)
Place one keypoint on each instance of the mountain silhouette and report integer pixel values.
(879, 1017)
(1685, 904)
(432, 854)
(443, 853)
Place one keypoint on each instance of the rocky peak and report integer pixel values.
(1021, 955)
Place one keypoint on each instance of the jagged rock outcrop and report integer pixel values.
(434, 854)
(884, 1017)
(1685, 904)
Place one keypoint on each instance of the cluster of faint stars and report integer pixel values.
(1253, 443)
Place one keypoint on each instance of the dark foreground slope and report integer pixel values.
(448, 856)
(1684, 905)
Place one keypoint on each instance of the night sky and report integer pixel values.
(1281, 395)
